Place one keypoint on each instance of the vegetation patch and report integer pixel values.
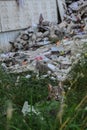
(44, 114)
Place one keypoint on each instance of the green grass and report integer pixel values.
(34, 90)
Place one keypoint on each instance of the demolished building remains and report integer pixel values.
(50, 47)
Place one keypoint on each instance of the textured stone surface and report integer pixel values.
(15, 17)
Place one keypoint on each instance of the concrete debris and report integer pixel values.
(49, 47)
(28, 109)
(74, 23)
(54, 60)
(75, 16)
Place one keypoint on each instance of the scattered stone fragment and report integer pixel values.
(49, 47)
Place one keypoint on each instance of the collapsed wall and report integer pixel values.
(14, 17)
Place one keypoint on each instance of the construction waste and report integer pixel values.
(49, 47)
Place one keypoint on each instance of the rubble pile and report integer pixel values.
(53, 59)
(49, 47)
(74, 25)
(76, 17)
(37, 36)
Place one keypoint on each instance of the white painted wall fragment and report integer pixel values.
(5, 38)
(14, 17)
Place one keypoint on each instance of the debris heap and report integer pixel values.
(76, 17)
(49, 47)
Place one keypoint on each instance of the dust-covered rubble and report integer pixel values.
(58, 59)
(49, 47)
